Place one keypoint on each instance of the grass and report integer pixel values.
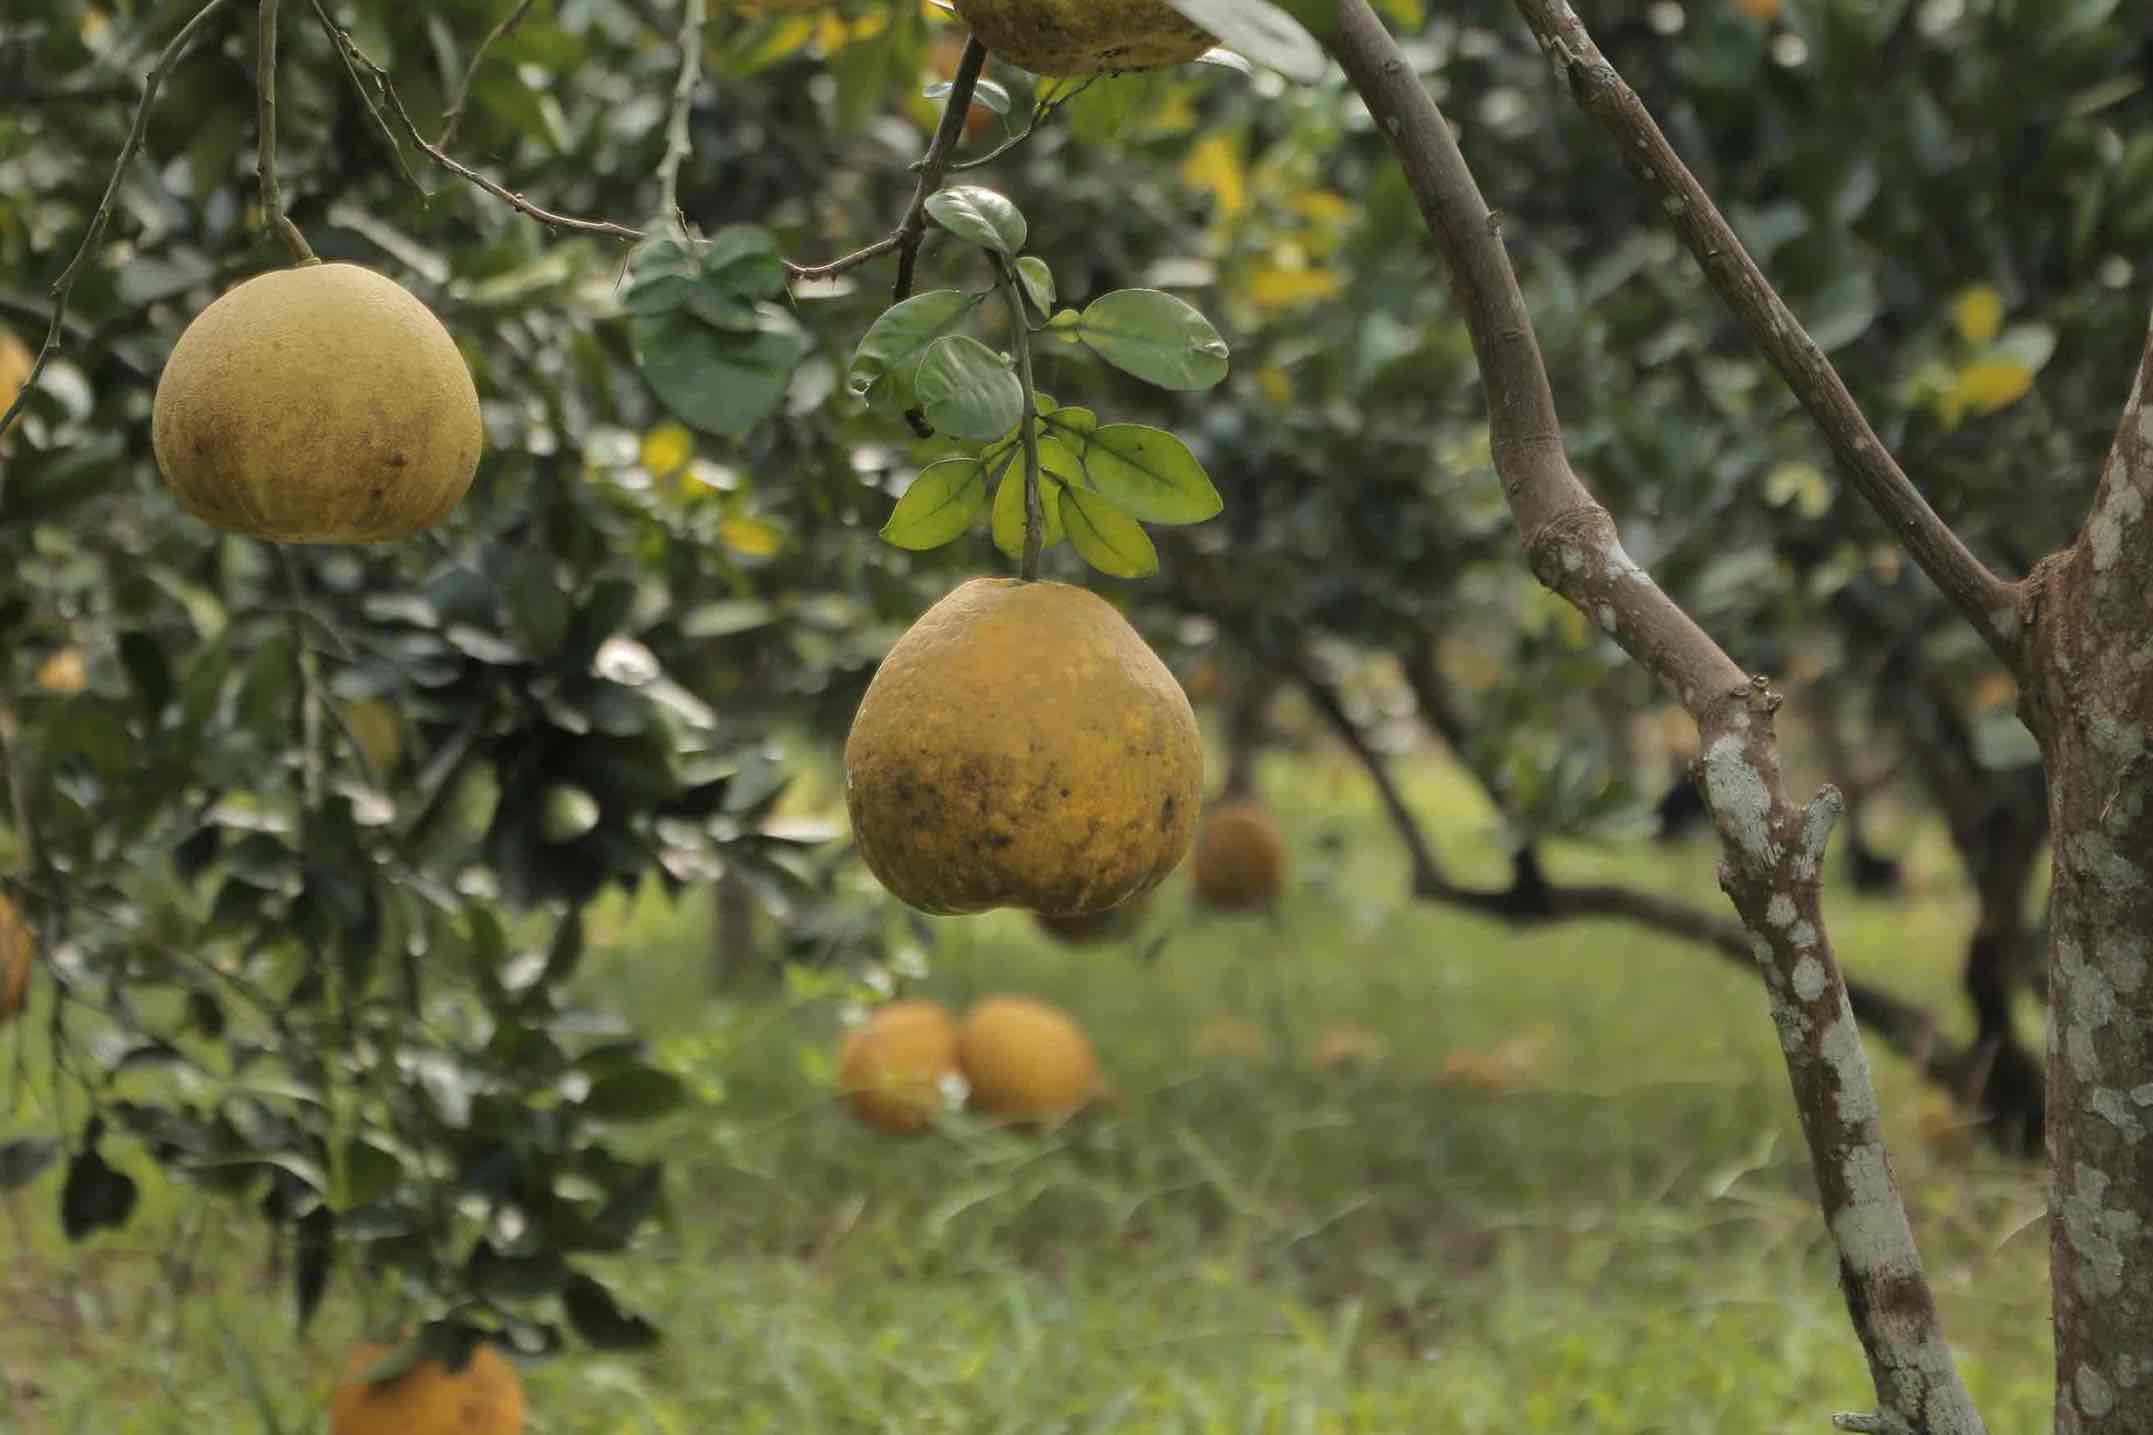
(1618, 1239)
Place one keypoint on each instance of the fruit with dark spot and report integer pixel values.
(483, 1398)
(1021, 746)
(322, 404)
(1083, 37)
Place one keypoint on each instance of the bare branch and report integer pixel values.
(265, 155)
(1772, 851)
(677, 144)
(102, 216)
(1985, 600)
(501, 31)
(366, 73)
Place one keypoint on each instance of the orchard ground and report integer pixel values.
(1619, 1237)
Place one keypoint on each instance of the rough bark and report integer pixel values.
(2090, 702)
(1772, 849)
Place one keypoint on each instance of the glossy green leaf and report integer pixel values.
(979, 215)
(1038, 282)
(1155, 336)
(1263, 32)
(968, 390)
(888, 358)
(1009, 512)
(1105, 537)
(1149, 474)
(939, 506)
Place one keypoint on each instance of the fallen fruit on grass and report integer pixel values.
(1348, 1045)
(322, 404)
(1026, 1060)
(1021, 746)
(892, 1066)
(18, 950)
(1083, 37)
(483, 1398)
(1240, 857)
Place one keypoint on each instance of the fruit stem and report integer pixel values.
(265, 155)
(1020, 333)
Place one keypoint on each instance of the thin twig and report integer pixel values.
(65, 284)
(677, 145)
(1041, 113)
(835, 267)
(386, 90)
(499, 32)
(265, 156)
(1985, 600)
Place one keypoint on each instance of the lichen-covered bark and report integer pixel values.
(2091, 705)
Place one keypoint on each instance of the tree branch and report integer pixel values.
(1772, 851)
(501, 31)
(364, 72)
(1986, 601)
(265, 155)
(2118, 535)
(677, 144)
(102, 216)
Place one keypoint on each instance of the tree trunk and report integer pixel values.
(2089, 699)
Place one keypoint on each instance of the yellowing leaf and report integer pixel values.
(1800, 484)
(1215, 168)
(1271, 287)
(1986, 385)
(1978, 312)
(750, 537)
(1321, 206)
(1277, 385)
(667, 449)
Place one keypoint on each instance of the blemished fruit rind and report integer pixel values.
(1026, 1060)
(323, 404)
(1240, 863)
(892, 1066)
(1021, 746)
(18, 953)
(483, 1398)
(1083, 37)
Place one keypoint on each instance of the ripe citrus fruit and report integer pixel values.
(1026, 1060)
(1240, 857)
(1082, 37)
(483, 1398)
(892, 1066)
(1021, 747)
(317, 405)
(17, 951)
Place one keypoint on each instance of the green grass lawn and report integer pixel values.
(1619, 1240)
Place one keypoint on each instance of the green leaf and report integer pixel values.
(1156, 337)
(599, 1319)
(967, 389)
(889, 356)
(939, 506)
(1009, 512)
(1148, 474)
(743, 259)
(980, 215)
(1038, 281)
(634, 1093)
(1263, 32)
(1106, 538)
(722, 381)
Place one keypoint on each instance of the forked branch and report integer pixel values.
(1772, 850)
(1986, 601)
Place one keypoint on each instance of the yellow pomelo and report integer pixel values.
(892, 1066)
(483, 1398)
(317, 405)
(1021, 746)
(1240, 857)
(1082, 37)
(1026, 1060)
